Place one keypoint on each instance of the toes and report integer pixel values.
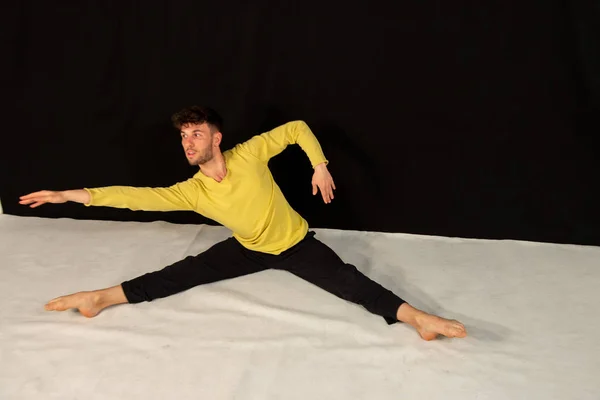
(53, 302)
(55, 305)
(459, 330)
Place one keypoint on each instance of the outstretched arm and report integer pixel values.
(269, 144)
(181, 196)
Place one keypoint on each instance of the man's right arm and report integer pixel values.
(182, 196)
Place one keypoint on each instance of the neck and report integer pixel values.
(215, 168)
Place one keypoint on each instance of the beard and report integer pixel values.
(202, 158)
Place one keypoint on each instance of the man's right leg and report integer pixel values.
(225, 260)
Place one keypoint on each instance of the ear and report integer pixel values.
(217, 138)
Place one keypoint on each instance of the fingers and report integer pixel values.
(36, 199)
(36, 202)
(327, 192)
(325, 185)
(24, 202)
(34, 194)
(31, 199)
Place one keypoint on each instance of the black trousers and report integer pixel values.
(310, 260)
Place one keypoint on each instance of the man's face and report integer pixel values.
(197, 141)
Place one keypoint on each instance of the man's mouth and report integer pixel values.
(190, 153)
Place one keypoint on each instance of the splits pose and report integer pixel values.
(236, 189)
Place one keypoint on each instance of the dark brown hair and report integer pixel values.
(198, 115)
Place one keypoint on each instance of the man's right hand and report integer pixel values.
(36, 199)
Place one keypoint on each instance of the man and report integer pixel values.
(236, 189)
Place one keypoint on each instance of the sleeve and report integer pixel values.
(182, 196)
(269, 144)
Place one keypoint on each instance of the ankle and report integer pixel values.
(109, 297)
(98, 298)
(409, 314)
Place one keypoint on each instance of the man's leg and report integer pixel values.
(225, 260)
(315, 262)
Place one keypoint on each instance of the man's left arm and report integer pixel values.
(269, 144)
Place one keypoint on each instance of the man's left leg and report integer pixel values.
(315, 262)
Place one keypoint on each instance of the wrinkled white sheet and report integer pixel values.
(531, 311)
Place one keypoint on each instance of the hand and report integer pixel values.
(43, 197)
(323, 180)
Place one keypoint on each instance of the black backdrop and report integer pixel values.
(446, 118)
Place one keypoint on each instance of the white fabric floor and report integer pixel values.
(531, 311)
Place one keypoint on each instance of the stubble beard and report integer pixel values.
(203, 159)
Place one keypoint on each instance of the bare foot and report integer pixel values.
(88, 303)
(430, 326)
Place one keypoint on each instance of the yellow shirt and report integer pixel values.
(247, 200)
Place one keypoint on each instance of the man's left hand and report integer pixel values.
(322, 179)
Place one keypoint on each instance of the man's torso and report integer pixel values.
(249, 202)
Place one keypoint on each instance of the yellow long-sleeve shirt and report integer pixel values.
(247, 200)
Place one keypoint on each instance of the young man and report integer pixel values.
(236, 189)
